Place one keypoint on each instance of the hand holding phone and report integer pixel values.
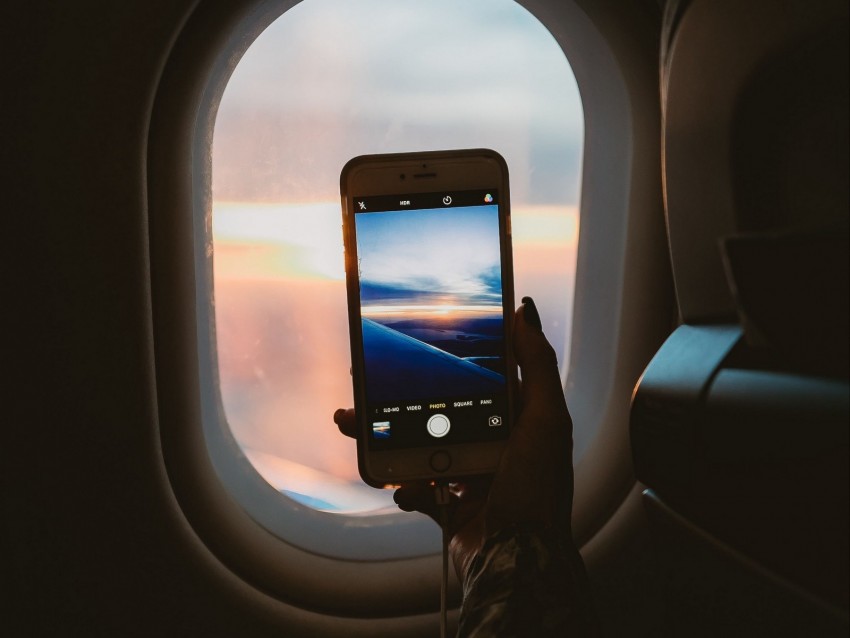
(430, 294)
(533, 485)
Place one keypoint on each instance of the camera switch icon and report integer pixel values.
(495, 421)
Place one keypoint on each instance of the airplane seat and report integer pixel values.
(739, 423)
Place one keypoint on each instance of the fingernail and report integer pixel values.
(530, 313)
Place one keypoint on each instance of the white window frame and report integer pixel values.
(291, 551)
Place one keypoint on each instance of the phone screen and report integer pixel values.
(432, 318)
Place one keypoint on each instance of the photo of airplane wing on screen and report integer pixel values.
(397, 365)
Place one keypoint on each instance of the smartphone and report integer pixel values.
(429, 280)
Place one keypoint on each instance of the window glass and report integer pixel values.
(331, 79)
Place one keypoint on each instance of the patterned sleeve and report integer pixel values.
(525, 582)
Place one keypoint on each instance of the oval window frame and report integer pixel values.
(620, 117)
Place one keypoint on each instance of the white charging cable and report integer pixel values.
(442, 497)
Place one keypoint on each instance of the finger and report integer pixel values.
(541, 378)
(471, 501)
(472, 489)
(417, 497)
(346, 422)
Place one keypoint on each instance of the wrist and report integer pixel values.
(522, 574)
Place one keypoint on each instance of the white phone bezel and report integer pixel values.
(413, 173)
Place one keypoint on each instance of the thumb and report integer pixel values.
(541, 378)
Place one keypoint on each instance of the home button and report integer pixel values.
(441, 461)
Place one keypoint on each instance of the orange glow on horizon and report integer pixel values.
(428, 310)
(282, 332)
(275, 241)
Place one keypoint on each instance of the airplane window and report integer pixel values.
(328, 80)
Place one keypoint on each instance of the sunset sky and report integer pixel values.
(333, 79)
(430, 257)
(329, 80)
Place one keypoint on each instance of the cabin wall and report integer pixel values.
(93, 541)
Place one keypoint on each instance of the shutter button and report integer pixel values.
(438, 425)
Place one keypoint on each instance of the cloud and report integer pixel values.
(332, 79)
(440, 251)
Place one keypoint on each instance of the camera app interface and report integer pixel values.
(432, 319)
